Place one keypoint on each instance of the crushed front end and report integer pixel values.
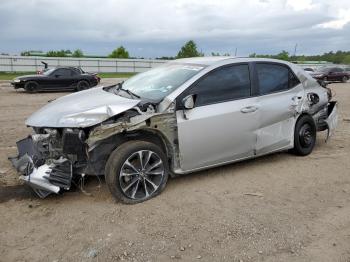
(48, 159)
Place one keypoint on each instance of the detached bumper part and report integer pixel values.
(47, 179)
(43, 178)
(332, 119)
(38, 181)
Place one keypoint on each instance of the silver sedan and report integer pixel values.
(187, 115)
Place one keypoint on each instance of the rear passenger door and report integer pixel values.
(279, 94)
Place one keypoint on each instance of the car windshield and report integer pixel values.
(48, 72)
(157, 83)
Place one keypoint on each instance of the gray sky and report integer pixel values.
(151, 28)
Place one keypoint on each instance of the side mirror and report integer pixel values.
(188, 102)
(57, 76)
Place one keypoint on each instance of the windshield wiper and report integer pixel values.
(126, 90)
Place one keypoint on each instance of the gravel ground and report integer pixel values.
(275, 208)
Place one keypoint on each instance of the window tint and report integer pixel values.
(273, 78)
(293, 80)
(63, 72)
(75, 71)
(223, 84)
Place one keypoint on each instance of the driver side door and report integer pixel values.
(221, 126)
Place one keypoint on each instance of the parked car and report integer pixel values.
(57, 79)
(187, 115)
(331, 74)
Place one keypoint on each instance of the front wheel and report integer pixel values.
(136, 171)
(304, 136)
(31, 87)
(344, 79)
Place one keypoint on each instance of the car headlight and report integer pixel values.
(17, 80)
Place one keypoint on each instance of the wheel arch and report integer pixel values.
(97, 158)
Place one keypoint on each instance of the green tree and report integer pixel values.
(25, 53)
(218, 54)
(284, 55)
(189, 50)
(78, 53)
(120, 52)
(346, 59)
(59, 53)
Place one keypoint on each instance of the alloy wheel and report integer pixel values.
(141, 174)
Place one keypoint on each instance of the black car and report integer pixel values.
(57, 79)
(331, 74)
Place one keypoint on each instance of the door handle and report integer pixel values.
(249, 109)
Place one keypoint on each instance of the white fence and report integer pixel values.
(105, 65)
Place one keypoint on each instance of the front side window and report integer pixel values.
(223, 84)
(274, 78)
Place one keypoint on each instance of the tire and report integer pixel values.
(131, 185)
(82, 85)
(304, 136)
(31, 86)
(344, 79)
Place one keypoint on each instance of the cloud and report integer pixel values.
(151, 28)
(342, 19)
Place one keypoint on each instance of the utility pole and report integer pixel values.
(236, 52)
(295, 50)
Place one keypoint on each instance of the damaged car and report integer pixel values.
(184, 116)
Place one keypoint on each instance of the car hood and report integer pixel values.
(81, 109)
(25, 77)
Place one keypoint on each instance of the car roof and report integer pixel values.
(212, 60)
(67, 67)
(204, 60)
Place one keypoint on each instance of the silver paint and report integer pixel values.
(208, 135)
(81, 109)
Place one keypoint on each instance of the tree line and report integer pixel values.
(190, 49)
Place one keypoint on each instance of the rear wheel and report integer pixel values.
(136, 171)
(304, 136)
(31, 86)
(344, 79)
(82, 85)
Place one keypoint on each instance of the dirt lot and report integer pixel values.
(276, 208)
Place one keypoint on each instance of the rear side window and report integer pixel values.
(275, 78)
(224, 84)
(63, 72)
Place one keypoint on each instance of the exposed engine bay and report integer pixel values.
(51, 158)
